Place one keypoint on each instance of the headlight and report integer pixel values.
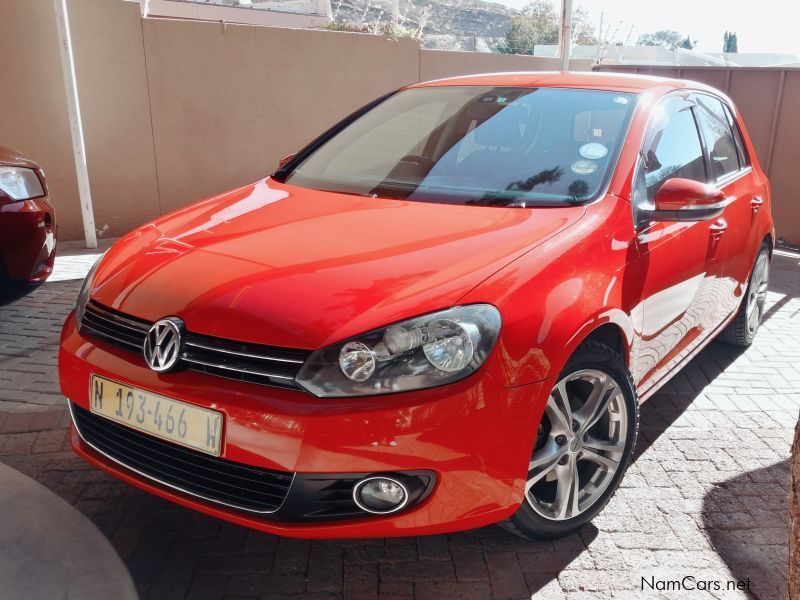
(20, 183)
(83, 295)
(423, 352)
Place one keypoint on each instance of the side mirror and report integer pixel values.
(681, 199)
(285, 160)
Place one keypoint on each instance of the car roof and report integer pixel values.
(622, 82)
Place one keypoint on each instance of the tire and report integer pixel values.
(742, 330)
(549, 509)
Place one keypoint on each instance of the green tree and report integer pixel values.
(666, 38)
(539, 24)
(687, 43)
(583, 33)
(729, 42)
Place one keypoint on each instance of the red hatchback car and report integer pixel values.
(27, 222)
(442, 313)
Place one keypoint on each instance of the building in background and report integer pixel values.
(660, 56)
(271, 13)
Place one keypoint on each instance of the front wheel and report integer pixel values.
(583, 445)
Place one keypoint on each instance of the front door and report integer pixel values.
(678, 261)
(731, 172)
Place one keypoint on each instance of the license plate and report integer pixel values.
(172, 420)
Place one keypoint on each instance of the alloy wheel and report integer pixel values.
(579, 446)
(757, 293)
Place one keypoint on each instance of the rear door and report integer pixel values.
(730, 171)
(678, 260)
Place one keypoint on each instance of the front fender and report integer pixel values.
(552, 298)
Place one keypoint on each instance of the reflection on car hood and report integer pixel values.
(280, 265)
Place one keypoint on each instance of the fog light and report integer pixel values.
(380, 495)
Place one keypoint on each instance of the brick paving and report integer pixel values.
(705, 496)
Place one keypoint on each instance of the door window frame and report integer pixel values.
(656, 118)
(732, 121)
(738, 137)
(659, 120)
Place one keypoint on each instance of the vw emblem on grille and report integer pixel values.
(162, 346)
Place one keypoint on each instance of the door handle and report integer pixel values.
(718, 228)
(756, 203)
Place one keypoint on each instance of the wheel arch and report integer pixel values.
(770, 242)
(612, 328)
(610, 335)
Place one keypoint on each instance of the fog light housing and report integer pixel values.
(380, 495)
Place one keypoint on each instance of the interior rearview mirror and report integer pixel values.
(681, 199)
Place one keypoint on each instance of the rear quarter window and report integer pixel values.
(718, 136)
(744, 158)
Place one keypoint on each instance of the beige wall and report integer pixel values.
(768, 98)
(112, 80)
(305, 13)
(177, 110)
(33, 115)
(229, 102)
(109, 58)
(436, 64)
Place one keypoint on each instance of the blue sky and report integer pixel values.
(763, 26)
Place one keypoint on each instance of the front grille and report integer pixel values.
(235, 485)
(323, 497)
(114, 327)
(254, 363)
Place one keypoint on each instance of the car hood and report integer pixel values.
(286, 266)
(15, 159)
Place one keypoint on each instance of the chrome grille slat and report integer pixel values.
(109, 330)
(195, 344)
(117, 342)
(217, 357)
(118, 319)
(239, 369)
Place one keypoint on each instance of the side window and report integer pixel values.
(674, 152)
(744, 160)
(718, 136)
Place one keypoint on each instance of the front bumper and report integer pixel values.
(474, 436)
(27, 240)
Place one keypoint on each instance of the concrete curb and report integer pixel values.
(50, 550)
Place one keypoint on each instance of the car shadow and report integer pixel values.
(747, 521)
(11, 292)
(658, 413)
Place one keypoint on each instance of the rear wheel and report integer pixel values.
(583, 445)
(742, 330)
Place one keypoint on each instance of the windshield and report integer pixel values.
(493, 146)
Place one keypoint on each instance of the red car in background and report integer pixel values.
(27, 222)
(442, 313)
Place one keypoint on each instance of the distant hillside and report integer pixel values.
(443, 22)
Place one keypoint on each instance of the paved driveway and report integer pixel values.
(705, 496)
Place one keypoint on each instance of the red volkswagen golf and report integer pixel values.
(442, 313)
